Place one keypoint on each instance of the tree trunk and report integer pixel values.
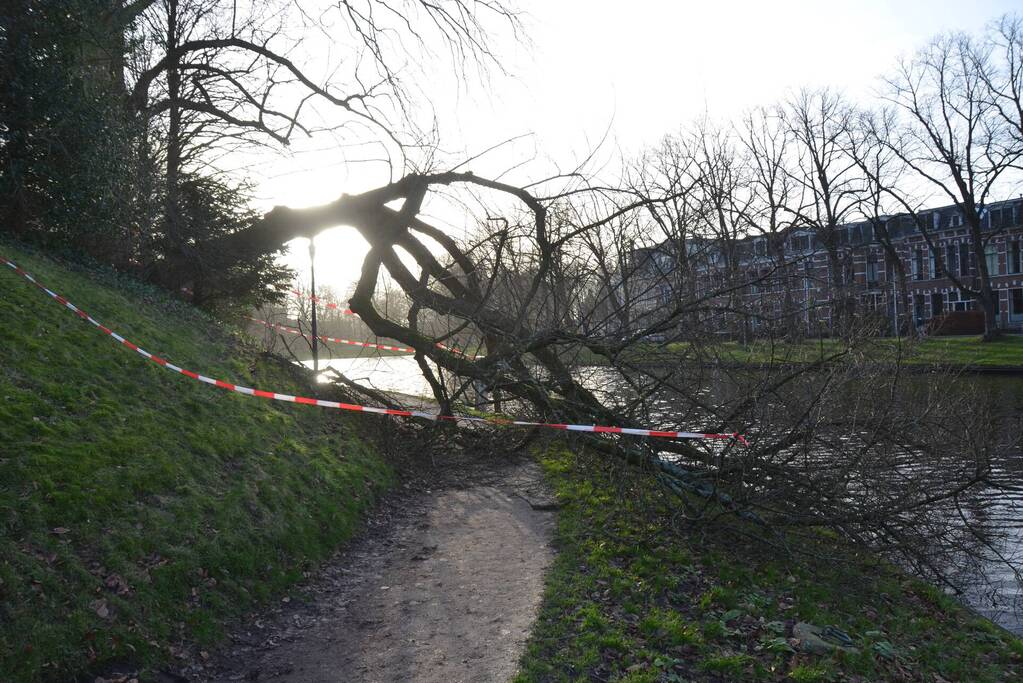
(989, 303)
(172, 217)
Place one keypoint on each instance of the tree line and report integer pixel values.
(946, 128)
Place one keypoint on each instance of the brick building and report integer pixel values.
(787, 281)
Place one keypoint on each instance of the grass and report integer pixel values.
(1006, 351)
(629, 600)
(139, 509)
(966, 351)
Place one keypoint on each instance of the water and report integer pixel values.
(998, 597)
(394, 374)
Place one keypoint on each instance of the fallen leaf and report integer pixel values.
(116, 583)
(100, 608)
(59, 530)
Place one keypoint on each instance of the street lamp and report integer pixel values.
(312, 285)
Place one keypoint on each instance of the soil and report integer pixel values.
(443, 585)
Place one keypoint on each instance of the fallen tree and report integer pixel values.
(849, 442)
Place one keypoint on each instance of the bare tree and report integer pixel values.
(216, 75)
(956, 141)
(769, 145)
(706, 215)
(869, 142)
(829, 186)
(1002, 73)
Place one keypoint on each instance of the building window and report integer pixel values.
(918, 264)
(991, 257)
(964, 259)
(952, 258)
(664, 294)
(1016, 302)
(937, 304)
(1014, 259)
(872, 272)
(957, 302)
(1003, 217)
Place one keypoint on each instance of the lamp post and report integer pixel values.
(312, 285)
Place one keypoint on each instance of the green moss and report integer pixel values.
(138, 506)
(639, 677)
(804, 673)
(730, 665)
(668, 628)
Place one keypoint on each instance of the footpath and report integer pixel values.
(444, 585)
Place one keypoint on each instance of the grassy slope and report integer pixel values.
(627, 601)
(1006, 351)
(138, 507)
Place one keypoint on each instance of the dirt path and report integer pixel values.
(444, 586)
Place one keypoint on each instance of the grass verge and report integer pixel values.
(629, 600)
(966, 351)
(140, 509)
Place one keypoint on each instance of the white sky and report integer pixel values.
(639, 70)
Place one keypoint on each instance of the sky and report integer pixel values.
(628, 72)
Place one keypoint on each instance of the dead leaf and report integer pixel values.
(100, 608)
(116, 583)
(59, 530)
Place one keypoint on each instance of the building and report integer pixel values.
(788, 282)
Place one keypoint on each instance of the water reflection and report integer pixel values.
(395, 374)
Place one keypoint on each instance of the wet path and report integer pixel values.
(446, 588)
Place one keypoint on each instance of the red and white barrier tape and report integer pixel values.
(316, 300)
(337, 340)
(349, 406)
(346, 311)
